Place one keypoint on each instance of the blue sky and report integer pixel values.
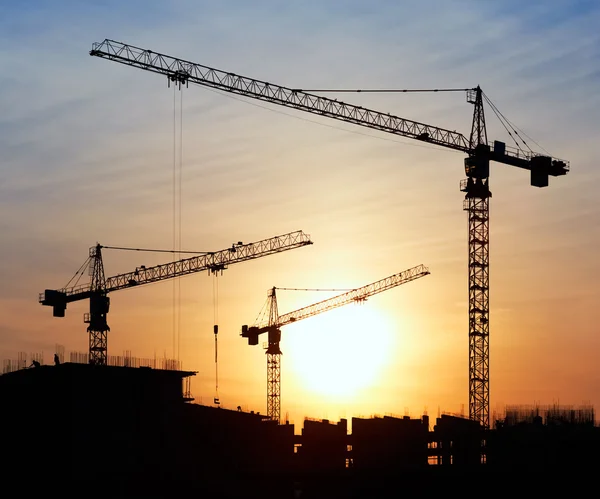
(87, 155)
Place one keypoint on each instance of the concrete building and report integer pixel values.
(456, 441)
(389, 443)
(323, 445)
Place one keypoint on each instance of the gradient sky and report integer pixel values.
(87, 156)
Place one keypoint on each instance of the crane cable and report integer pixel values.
(262, 317)
(82, 270)
(381, 90)
(513, 127)
(180, 215)
(176, 187)
(496, 111)
(79, 273)
(216, 332)
(316, 289)
(506, 124)
(157, 250)
(174, 214)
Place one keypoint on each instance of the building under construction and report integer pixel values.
(136, 430)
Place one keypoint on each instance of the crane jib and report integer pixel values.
(211, 262)
(181, 72)
(354, 295)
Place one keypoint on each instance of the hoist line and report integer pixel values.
(174, 193)
(215, 329)
(180, 216)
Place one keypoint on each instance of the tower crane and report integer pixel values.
(476, 186)
(99, 287)
(275, 322)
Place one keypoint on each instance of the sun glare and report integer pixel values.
(340, 352)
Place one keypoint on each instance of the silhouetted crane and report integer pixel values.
(99, 287)
(275, 322)
(476, 186)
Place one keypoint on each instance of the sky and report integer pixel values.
(96, 152)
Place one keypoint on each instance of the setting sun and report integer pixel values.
(340, 352)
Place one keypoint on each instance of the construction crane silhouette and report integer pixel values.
(99, 287)
(275, 322)
(476, 186)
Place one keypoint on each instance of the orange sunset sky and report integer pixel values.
(88, 155)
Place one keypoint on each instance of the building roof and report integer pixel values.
(74, 369)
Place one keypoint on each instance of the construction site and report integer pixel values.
(122, 425)
(136, 430)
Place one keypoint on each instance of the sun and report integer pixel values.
(339, 352)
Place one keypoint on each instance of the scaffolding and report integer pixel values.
(128, 360)
(25, 361)
(551, 415)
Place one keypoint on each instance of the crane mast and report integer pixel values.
(99, 303)
(275, 322)
(273, 361)
(477, 206)
(475, 186)
(99, 287)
